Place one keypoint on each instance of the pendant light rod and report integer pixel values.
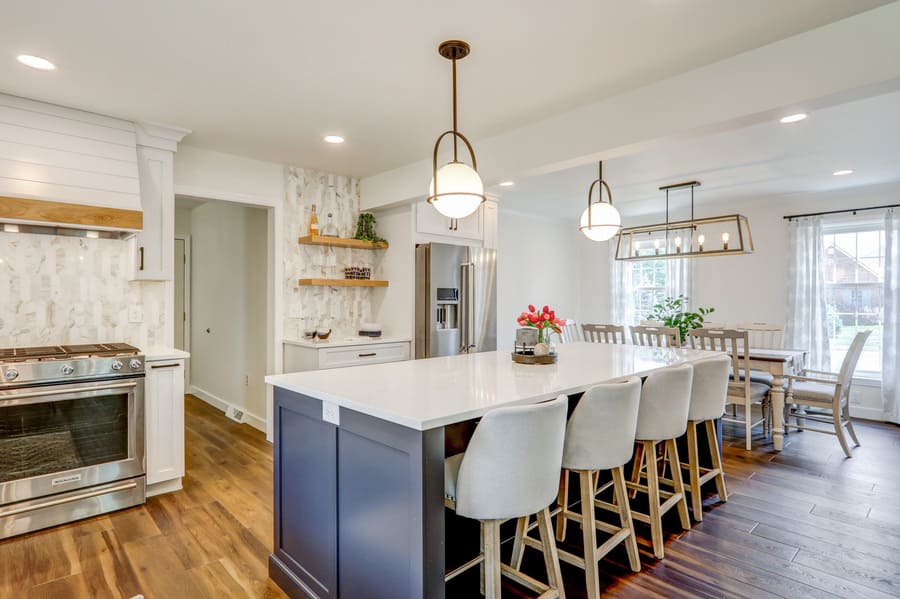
(455, 130)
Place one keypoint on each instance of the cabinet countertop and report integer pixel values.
(345, 342)
(155, 354)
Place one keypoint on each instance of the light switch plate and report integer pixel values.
(135, 314)
(331, 412)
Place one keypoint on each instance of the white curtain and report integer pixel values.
(890, 386)
(807, 322)
(679, 279)
(621, 300)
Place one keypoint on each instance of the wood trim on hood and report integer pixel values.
(60, 213)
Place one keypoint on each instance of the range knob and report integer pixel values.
(135, 364)
(12, 374)
(67, 369)
(117, 365)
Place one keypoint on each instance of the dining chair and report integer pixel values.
(826, 390)
(570, 332)
(509, 470)
(654, 336)
(603, 333)
(762, 335)
(741, 390)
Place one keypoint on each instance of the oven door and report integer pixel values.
(59, 438)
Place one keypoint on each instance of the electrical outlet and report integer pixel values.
(331, 412)
(136, 314)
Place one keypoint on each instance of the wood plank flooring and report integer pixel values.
(802, 523)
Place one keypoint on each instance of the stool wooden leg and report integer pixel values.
(589, 534)
(636, 468)
(694, 469)
(491, 541)
(519, 542)
(656, 533)
(679, 484)
(621, 496)
(716, 458)
(563, 500)
(551, 557)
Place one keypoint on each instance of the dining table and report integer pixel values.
(778, 363)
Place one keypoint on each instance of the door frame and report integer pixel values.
(186, 321)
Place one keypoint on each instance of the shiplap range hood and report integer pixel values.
(67, 171)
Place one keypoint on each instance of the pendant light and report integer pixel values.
(456, 190)
(600, 221)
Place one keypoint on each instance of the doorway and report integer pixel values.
(182, 320)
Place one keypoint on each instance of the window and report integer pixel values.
(648, 287)
(854, 291)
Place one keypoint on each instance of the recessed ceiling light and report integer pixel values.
(36, 62)
(847, 171)
(793, 118)
(507, 183)
(334, 139)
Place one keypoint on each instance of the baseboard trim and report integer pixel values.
(866, 413)
(166, 486)
(222, 405)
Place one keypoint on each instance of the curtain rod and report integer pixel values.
(853, 210)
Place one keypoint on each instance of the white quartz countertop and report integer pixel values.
(425, 394)
(345, 341)
(155, 354)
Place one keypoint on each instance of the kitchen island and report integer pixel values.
(359, 459)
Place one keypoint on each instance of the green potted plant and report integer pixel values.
(673, 312)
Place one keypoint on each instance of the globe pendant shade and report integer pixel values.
(464, 186)
(605, 221)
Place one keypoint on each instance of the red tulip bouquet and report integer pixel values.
(544, 320)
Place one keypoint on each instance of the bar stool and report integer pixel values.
(599, 436)
(510, 470)
(708, 392)
(662, 418)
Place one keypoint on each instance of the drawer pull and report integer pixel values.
(164, 365)
(369, 355)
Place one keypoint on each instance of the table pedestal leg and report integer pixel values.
(777, 398)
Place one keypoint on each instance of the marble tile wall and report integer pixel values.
(60, 290)
(339, 308)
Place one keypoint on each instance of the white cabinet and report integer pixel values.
(489, 224)
(431, 222)
(152, 248)
(303, 355)
(164, 423)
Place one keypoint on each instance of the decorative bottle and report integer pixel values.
(314, 222)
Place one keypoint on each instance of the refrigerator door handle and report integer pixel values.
(466, 300)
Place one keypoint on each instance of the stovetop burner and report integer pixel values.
(57, 352)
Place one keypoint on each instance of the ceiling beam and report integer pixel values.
(846, 60)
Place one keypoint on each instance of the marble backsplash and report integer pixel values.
(339, 308)
(62, 290)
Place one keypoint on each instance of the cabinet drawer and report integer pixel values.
(355, 355)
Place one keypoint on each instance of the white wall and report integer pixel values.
(228, 298)
(537, 262)
(393, 307)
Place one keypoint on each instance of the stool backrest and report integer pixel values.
(709, 388)
(654, 336)
(603, 333)
(511, 466)
(665, 399)
(600, 432)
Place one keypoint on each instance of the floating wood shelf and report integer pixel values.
(344, 282)
(343, 242)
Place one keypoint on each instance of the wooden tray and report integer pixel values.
(523, 359)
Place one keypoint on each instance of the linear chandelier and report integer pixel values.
(456, 190)
(724, 235)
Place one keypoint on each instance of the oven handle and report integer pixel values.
(58, 391)
(60, 501)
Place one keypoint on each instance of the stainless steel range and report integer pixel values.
(71, 433)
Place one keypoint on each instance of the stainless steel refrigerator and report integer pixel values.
(456, 300)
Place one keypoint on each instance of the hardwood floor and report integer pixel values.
(210, 540)
(802, 523)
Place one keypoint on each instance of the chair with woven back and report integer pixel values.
(826, 390)
(741, 390)
(604, 333)
(654, 336)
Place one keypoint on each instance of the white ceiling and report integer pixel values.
(760, 160)
(270, 83)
